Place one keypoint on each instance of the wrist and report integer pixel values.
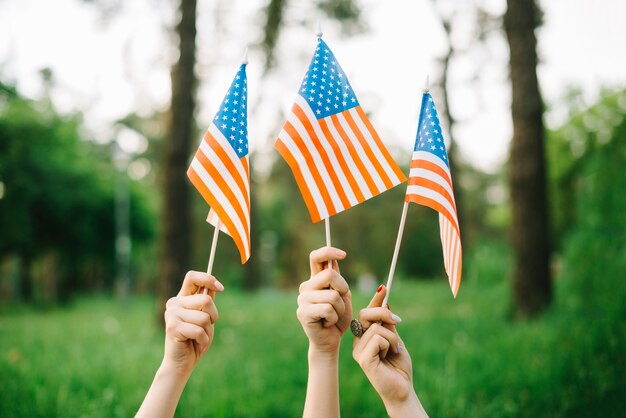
(323, 355)
(410, 407)
(171, 370)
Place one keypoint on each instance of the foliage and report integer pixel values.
(58, 194)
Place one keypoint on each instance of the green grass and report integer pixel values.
(95, 359)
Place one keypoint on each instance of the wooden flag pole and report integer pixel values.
(209, 269)
(394, 260)
(327, 224)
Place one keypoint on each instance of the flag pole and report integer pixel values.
(327, 225)
(209, 269)
(394, 260)
(405, 208)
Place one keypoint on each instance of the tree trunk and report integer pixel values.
(532, 285)
(175, 239)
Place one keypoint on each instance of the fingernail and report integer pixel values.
(340, 253)
(399, 348)
(388, 307)
(396, 318)
(218, 285)
(379, 288)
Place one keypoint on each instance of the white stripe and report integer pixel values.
(369, 165)
(375, 149)
(232, 155)
(429, 156)
(226, 174)
(330, 151)
(343, 149)
(286, 139)
(431, 194)
(434, 177)
(317, 160)
(219, 195)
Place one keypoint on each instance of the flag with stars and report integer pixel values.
(334, 152)
(220, 169)
(430, 184)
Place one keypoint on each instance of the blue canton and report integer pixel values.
(429, 137)
(326, 87)
(232, 118)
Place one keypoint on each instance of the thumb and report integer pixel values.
(378, 298)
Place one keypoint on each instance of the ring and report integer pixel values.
(356, 328)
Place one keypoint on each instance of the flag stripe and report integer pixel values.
(430, 166)
(212, 155)
(382, 175)
(359, 186)
(300, 172)
(346, 179)
(232, 195)
(434, 183)
(309, 137)
(204, 187)
(239, 165)
(320, 184)
(354, 153)
(427, 197)
(399, 175)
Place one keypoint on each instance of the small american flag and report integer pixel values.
(334, 152)
(220, 169)
(430, 184)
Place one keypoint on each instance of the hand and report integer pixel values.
(189, 322)
(381, 354)
(325, 302)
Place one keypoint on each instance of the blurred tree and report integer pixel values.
(56, 205)
(175, 238)
(532, 285)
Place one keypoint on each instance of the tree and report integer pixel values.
(175, 238)
(532, 285)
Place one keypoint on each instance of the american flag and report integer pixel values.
(334, 152)
(430, 184)
(220, 169)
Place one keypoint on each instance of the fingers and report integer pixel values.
(318, 312)
(325, 279)
(186, 331)
(319, 258)
(370, 343)
(379, 297)
(195, 280)
(369, 316)
(327, 296)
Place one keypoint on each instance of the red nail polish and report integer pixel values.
(379, 288)
(388, 307)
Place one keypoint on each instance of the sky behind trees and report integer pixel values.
(111, 62)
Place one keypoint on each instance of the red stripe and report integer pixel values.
(219, 210)
(302, 184)
(381, 146)
(310, 162)
(302, 117)
(433, 204)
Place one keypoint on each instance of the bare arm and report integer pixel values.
(324, 310)
(189, 327)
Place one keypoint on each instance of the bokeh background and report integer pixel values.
(102, 104)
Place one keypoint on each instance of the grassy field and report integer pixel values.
(95, 359)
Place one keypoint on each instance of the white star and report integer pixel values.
(223, 125)
(240, 150)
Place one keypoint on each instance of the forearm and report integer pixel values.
(322, 393)
(164, 393)
(410, 408)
